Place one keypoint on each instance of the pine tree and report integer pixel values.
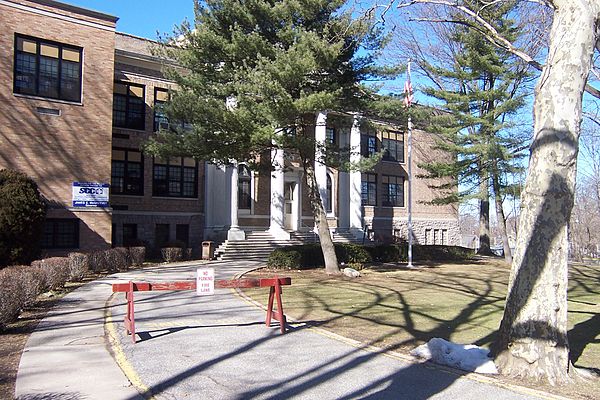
(250, 73)
(481, 88)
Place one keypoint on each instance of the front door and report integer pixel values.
(290, 188)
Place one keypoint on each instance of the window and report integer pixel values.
(47, 69)
(182, 234)
(129, 106)
(161, 96)
(244, 188)
(61, 234)
(176, 177)
(329, 135)
(329, 199)
(368, 145)
(161, 235)
(393, 191)
(130, 234)
(369, 189)
(392, 144)
(127, 172)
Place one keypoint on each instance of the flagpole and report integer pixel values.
(410, 229)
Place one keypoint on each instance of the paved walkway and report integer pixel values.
(216, 347)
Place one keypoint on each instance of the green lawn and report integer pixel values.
(399, 309)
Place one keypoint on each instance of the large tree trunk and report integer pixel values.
(501, 218)
(532, 340)
(331, 262)
(484, 216)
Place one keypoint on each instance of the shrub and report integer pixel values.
(118, 259)
(56, 271)
(137, 255)
(352, 253)
(33, 283)
(22, 214)
(12, 298)
(311, 256)
(442, 253)
(285, 258)
(388, 252)
(97, 261)
(171, 254)
(79, 265)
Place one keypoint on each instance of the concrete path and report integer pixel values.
(217, 347)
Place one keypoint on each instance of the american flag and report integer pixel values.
(408, 92)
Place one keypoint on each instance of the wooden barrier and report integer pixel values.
(274, 295)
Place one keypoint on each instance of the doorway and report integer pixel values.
(289, 206)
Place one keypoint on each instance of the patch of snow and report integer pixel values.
(351, 272)
(466, 357)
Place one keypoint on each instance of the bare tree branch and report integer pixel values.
(479, 24)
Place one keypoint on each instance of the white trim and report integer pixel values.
(142, 76)
(404, 218)
(32, 97)
(252, 216)
(334, 187)
(252, 192)
(86, 209)
(168, 197)
(56, 15)
(157, 213)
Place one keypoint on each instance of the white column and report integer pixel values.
(208, 198)
(356, 215)
(320, 168)
(234, 233)
(277, 227)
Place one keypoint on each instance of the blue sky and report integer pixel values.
(142, 17)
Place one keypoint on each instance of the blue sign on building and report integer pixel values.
(90, 194)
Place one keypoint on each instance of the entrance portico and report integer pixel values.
(279, 202)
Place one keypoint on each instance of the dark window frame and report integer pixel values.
(368, 145)
(393, 198)
(130, 123)
(392, 146)
(159, 117)
(38, 58)
(244, 181)
(330, 136)
(55, 243)
(368, 196)
(179, 232)
(169, 174)
(164, 229)
(329, 194)
(133, 240)
(126, 179)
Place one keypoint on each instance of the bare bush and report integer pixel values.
(33, 283)
(79, 265)
(97, 261)
(137, 255)
(12, 299)
(171, 254)
(56, 271)
(117, 259)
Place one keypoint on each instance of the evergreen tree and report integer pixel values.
(480, 87)
(249, 75)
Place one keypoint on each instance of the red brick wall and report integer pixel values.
(75, 145)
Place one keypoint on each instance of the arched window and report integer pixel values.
(244, 188)
(329, 199)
